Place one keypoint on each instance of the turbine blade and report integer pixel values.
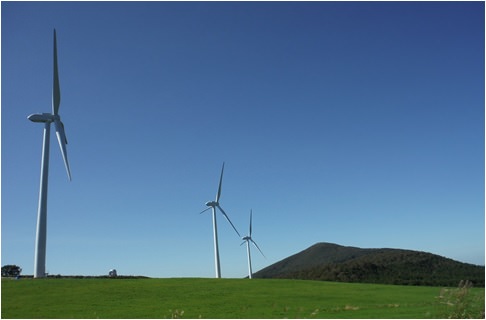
(242, 243)
(56, 90)
(250, 221)
(205, 210)
(258, 247)
(61, 137)
(227, 218)
(220, 184)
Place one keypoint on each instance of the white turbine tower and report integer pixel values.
(47, 119)
(213, 205)
(248, 239)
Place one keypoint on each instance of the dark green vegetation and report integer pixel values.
(11, 270)
(332, 262)
(231, 298)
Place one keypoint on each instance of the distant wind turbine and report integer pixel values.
(47, 119)
(213, 205)
(248, 239)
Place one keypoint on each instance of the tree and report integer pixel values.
(11, 270)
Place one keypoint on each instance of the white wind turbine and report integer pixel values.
(47, 119)
(213, 205)
(248, 239)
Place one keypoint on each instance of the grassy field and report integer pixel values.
(230, 298)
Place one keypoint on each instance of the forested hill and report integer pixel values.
(332, 262)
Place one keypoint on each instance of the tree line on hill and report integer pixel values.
(385, 266)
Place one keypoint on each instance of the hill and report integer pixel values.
(332, 262)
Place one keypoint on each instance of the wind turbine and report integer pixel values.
(47, 119)
(213, 205)
(248, 239)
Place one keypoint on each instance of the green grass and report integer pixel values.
(227, 298)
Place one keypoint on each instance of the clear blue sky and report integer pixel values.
(360, 124)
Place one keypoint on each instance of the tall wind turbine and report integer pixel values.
(47, 119)
(248, 239)
(213, 205)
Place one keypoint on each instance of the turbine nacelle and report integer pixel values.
(212, 204)
(43, 117)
